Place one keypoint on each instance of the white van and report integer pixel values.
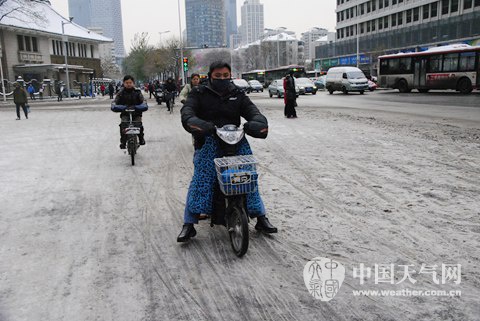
(346, 79)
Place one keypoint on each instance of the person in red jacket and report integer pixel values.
(290, 96)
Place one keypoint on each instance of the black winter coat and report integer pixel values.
(205, 109)
(170, 86)
(129, 98)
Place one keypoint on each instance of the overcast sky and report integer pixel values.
(162, 15)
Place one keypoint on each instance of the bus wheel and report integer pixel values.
(464, 86)
(403, 86)
(423, 91)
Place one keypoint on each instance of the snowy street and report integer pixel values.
(382, 178)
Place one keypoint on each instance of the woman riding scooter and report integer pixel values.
(216, 104)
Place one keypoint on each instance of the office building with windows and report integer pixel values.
(390, 26)
(253, 22)
(206, 25)
(309, 37)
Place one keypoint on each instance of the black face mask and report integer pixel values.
(220, 85)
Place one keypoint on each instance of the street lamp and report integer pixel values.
(162, 33)
(65, 40)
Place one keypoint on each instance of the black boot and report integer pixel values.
(187, 232)
(264, 225)
(141, 137)
(123, 138)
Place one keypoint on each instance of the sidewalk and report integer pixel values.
(52, 101)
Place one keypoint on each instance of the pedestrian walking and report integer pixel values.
(20, 99)
(31, 91)
(58, 91)
(40, 91)
(151, 90)
(102, 89)
(111, 90)
(290, 96)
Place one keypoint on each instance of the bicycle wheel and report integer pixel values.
(238, 229)
(132, 148)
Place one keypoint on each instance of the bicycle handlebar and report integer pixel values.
(120, 108)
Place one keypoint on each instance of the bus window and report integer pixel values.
(435, 63)
(393, 65)
(467, 61)
(450, 62)
(405, 65)
(383, 66)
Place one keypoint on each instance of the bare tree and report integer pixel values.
(10, 7)
(135, 61)
(110, 69)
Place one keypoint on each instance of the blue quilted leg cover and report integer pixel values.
(200, 193)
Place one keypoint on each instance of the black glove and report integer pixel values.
(202, 128)
(256, 129)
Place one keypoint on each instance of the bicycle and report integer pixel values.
(237, 177)
(170, 101)
(131, 131)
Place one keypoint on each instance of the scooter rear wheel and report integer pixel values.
(238, 230)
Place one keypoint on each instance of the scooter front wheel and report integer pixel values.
(238, 229)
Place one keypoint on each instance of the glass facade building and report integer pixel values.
(231, 19)
(206, 23)
(101, 14)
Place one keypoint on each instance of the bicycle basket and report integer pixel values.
(237, 175)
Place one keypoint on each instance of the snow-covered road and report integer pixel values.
(375, 179)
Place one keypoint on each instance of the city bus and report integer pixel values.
(448, 67)
(254, 75)
(315, 73)
(279, 73)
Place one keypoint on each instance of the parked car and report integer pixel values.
(256, 86)
(346, 79)
(372, 85)
(306, 86)
(276, 89)
(320, 82)
(243, 85)
(73, 93)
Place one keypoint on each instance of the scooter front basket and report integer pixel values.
(237, 175)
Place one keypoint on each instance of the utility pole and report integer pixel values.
(181, 43)
(65, 40)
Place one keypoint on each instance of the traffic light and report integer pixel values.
(185, 64)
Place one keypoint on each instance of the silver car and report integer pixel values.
(276, 89)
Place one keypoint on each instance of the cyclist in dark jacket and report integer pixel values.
(130, 96)
(216, 104)
(170, 89)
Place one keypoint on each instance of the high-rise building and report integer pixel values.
(309, 39)
(252, 21)
(205, 23)
(101, 14)
(230, 19)
(391, 26)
